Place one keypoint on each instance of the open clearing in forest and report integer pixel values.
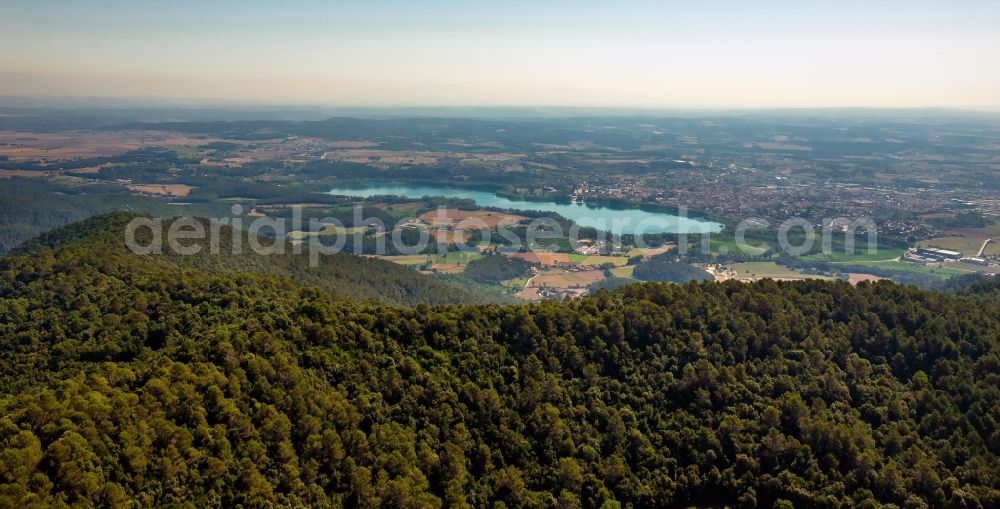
(761, 270)
(162, 189)
(566, 279)
(543, 258)
(468, 219)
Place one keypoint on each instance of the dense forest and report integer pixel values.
(664, 268)
(495, 268)
(137, 381)
(342, 274)
(30, 206)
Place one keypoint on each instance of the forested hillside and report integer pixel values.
(134, 381)
(30, 206)
(343, 274)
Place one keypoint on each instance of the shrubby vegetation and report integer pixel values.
(965, 219)
(134, 381)
(495, 268)
(664, 268)
(609, 283)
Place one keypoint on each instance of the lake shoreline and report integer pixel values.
(623, 220)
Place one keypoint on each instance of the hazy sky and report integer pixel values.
(581, 53)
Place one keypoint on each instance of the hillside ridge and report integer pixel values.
(129, 382)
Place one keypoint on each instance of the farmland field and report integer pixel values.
(855, 278)
(21, 173)
(468, 218)
(162, 189)
(543, 258)
(943, 272)
(617, 261)
(409, 259)
(460, 257)
(984, 233)
(647, 252)
(968, 267)
(448, 268)
(861, 255)
(968, 246)
(329, 229)
(515, 283)
(750, 247)
(758, 270)
(567, 279)
(625, 271)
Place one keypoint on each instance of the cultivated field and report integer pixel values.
(968, 246)
(617, 261)
(445, 236)
(408, 259)
(448, 268)
(941, 272)
(970, 267)
(20, 173)
(363, 156)
(563, 279)
(162, 189)
(647, 252)
(762, 270)
(544, 258)
(856, 278)
(984, 233)
(54, 146)
(529, 294)
(625, 271)
(401, 207)
(469, 219)
(861, 255)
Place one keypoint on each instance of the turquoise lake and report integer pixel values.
(617, 221)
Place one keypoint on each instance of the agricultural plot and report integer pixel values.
(529, 294)
(401, 210)
(647, 252)
(21, 173)
(470, 219)
(985, 232)
(514, 283)
(460, 257)
(617, 261)
(969, 267)
(544, 258)
(624, 272)
(448, 268)
(968, 246)
(368, 156)
(860, 255)
(449, 263)
(64, 145)
(565, 279)
(941, 272)
(762, 270)
(409, 259)
(162, 189)
(750, 247)
(327, 231)
(855, 278)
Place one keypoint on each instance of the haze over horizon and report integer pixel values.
(461, 53)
